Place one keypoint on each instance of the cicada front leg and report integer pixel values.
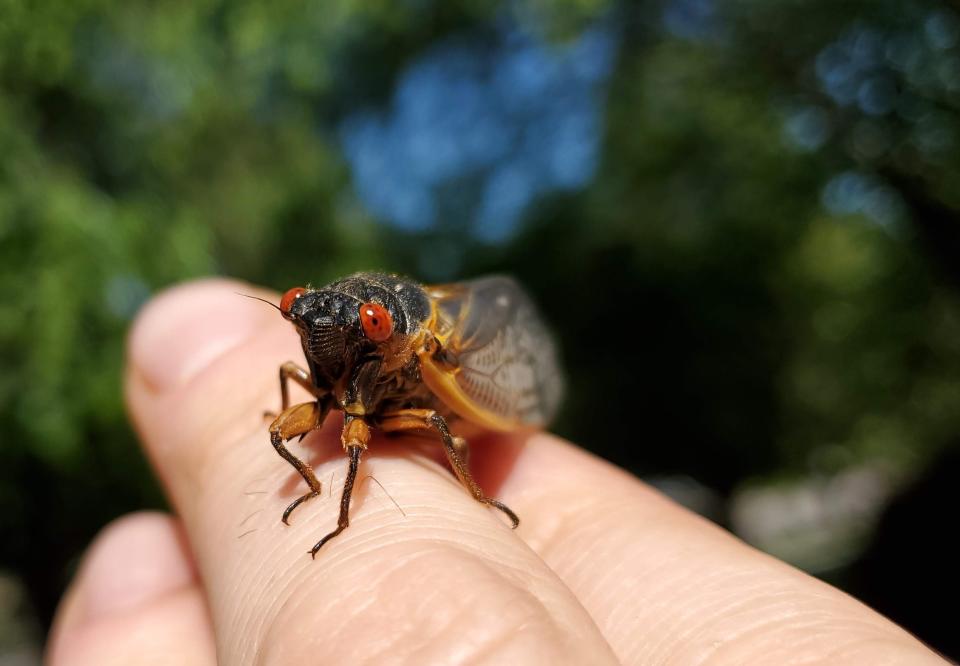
(455, 448)
(355, 436)
(291, 371)
(292, 421)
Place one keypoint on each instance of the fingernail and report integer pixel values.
(186, 328)
(134, 561)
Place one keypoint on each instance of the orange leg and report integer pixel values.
(455, 448)
(355, 436)
(292, 421)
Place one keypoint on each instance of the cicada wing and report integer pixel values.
(505, 357)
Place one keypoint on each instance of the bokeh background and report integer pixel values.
(769, 190)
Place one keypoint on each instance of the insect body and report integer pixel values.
(399, 356)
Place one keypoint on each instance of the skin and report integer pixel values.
(602, 569)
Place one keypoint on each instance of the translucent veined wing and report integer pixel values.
(502, 356)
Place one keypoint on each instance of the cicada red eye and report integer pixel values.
(376, 321)
(289, 297)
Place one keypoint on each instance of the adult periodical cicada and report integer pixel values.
(400, 356)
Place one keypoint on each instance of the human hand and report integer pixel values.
(601, 570)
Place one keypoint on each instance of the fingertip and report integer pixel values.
(185, 328)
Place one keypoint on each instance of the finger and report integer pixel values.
(665, 585)
(445, 581)
(135, 600)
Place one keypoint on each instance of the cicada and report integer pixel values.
(398, 356)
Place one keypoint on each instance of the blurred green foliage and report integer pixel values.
(775, 211)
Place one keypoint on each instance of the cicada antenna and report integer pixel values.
(263, 300)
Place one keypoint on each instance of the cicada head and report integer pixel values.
(336, 329)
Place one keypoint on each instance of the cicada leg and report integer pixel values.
(356, 435)
(291, 371)
(292, 421)
(455, 448)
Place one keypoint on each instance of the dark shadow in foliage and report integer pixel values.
(910, 572)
